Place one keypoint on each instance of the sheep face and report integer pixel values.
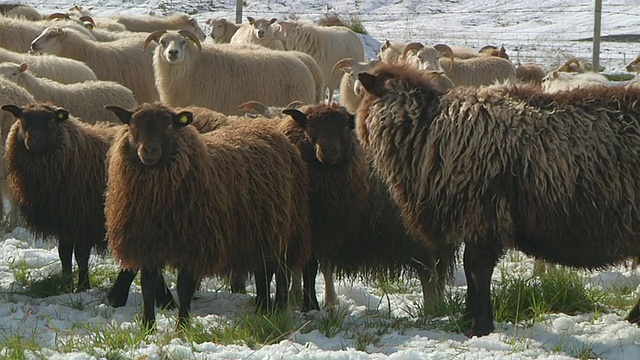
(328, 128)
(353, 68)
(150, 131)
(48, 41)
(194, 28)
(12, 71)
(173, 45)
(634, 66)
(261, 27)
(38, 126)
(427, 59)
(218, 28)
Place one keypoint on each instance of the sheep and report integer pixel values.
(55, 167)
(463, 52)
(109, 24)
(260, 32)
(17, 34)
(84, 100)
(178, 21)
(478, 71)
(102, 34)
(20, 11)
(254, 109)
(247, 224)
(122, 60)
(222, 30)
(350, 90)
(63, 70)
(530, 74)
(326, 45)
(560, 81)
(390, 52)
(10, 94)
(507, 167)
(338, 173)
(180, 62)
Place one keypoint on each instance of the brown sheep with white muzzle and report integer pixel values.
(508, 167)
(338, 175)
(235, 198)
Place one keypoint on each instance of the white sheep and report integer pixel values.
(10, 94)
(391, 51)
(60, 69)
(350, 87)
(105, 23)
(20, 11)
(17, 34)
(476, 71)
(148, 23)
(556, 81)
(123, 60)
(260, 31)
(220, 77)
(222, 30)
(85, 100)
(327, 45)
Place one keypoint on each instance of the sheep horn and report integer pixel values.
(154, 36)
(191, 36)
(58, 16)
(444, 48)
(342, 63)
(254, 106)
(295, 104)
(411, 46)
(487, 47)
(87, 18)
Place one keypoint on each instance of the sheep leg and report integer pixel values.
(634, 314)
(479, 261)
(263, 279)
(295, 294)
(309, 298)
(119, 293)
(65, 252)
(330, 295)
(238, 282)
(164, 299)
(148, 283)
(187, 283)
(82, 253)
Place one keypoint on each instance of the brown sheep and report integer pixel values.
(508, 167)
(337, 171)
(232, 199)
(55, 167)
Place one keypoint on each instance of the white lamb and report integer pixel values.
(85, 100)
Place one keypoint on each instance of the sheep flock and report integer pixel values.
(276, 149)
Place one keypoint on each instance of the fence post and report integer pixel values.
(595, 61)
(239, 11)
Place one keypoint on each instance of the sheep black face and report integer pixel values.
(329, 129)
(38, 125)
(150, 131)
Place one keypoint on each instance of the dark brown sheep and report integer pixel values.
(233, 199)
(337, 171)
(508, 167)
(56, 172)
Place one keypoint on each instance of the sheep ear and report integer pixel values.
(23, 67)
(61, 114)
(182, 119)
(251, 20)
(123, 114)
(273, 20)
(13, 109)
(371, 84)
(298, 116)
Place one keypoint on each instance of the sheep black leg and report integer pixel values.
(119, 293)
(148, 282)
(479, 261)
(309, 298)
(164, 299)
(187, 284)
(282, 286)
(65, 252)
(634, 314)
(82, 253)
(263, 279)
(238, 282)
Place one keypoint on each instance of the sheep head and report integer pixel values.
(38, 125)
(261, 27)
(48, 41)
(328, 128)
(446, 50)
(12, 71)
(150, 128)
(88, 22)
(634, 66)
(173, 45)
(353, 68)
(218, 27)
(195, 29)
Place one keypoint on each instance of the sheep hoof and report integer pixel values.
(634, 315)
(479, 329)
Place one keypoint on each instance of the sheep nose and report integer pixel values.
(173, 52)
(260, 33)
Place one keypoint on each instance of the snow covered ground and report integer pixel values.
(530, 30)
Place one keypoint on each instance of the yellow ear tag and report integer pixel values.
(61, 116)
(192, 42)
(183, 119)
